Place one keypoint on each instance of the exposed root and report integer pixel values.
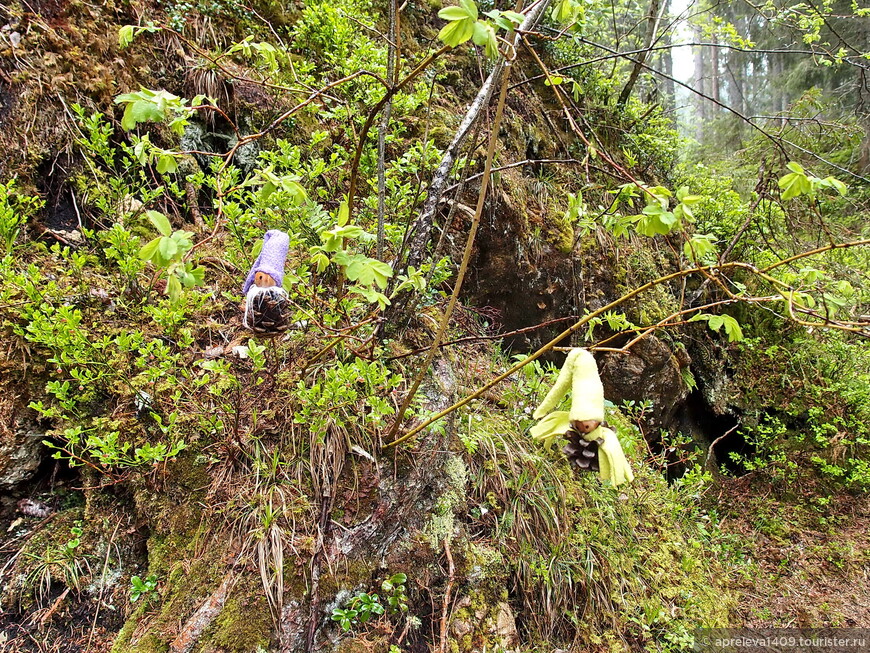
(202, 618)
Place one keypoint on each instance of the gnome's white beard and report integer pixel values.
(257, 294)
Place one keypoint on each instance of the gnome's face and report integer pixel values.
(263, 280)
(586, 425)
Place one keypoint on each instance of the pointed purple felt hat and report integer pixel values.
(271, 258)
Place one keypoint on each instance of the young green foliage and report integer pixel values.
(167, 251)
(798, 182)
(464, 24)
(140, 588)
(716, 322)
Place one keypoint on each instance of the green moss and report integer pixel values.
(559, 232)
(188, 572)
(484, 562)
(474, 622)
(150, 643)
(245, 622)
(122, 641)
(442, 523)
(361, 645)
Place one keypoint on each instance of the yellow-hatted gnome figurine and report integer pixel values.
(592, 445)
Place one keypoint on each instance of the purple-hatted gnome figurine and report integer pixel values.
(267, 308)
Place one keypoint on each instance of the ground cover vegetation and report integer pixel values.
(467, 190)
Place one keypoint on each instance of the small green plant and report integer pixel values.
(167, 251)
(358, 611)
(798, 182)
(716, 322)
(62, 563)
(370, 276)
(15, 209)
(361, 608)
(146, 105)
(346, 394)
(394, 591)
(139, 587)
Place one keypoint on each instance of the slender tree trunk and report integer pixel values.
(656, 8)
(392, 69)
(862, 108)
(700, 84)
(714, 77)
(777, 73)
(737, 73)
(670, 94)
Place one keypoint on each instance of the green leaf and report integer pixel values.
(168, 248)
(554, 80)
(198, 274)
(343, 213)
(565, 11)
(716, 322)
(267, 189)
(147, 252)
(514, 17)
(371, 295)
(178, 124)
(320, 261)
(480, 35)
(471, 7)
(160, 222)
(125, 36)
(831, 182)
(656, 221)
(839, 185)
(457, 32)
(506, 20)
(794, 184)
(811, 275)
(331, 243)
(484, 35)
(348, 231)
(166, 164)
(797, 168)
(141, 111)
(186, 278)
(173, 289)
(845, 288)
(366, 271)
(699, 247)
(685, 197)
(732, 328)
(453, 13)
(342, 258)
(142, 149)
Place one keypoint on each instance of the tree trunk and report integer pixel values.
(670, 96)
(714, 77)
(700, 84)
(654, 17)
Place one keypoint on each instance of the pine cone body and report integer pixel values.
(583, 453)
(269, 311)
